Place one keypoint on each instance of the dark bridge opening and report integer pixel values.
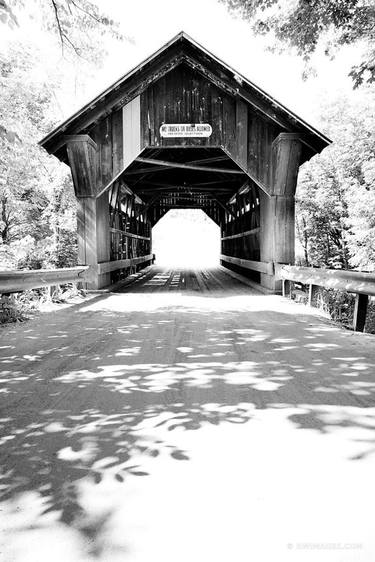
(185, 177)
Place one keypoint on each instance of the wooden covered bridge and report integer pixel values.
(211, 423)
(184, 130)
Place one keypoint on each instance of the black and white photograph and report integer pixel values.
(187, 280)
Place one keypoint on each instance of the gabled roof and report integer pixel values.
(183, 49)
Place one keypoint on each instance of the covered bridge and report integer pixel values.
(184, 130)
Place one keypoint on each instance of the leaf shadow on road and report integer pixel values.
(99, 391)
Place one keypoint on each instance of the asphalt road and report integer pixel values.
(186, 419)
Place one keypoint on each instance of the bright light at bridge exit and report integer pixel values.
(186, 238)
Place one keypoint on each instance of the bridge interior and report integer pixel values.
(185, 177)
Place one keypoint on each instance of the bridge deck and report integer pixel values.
(186, 418)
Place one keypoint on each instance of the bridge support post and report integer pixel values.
(93, 237)
(92, 211)
(277, 210)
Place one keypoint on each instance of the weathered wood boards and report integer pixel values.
(184, 130)
(259, 266)
(131, 129)
(93, 235)
(109, 266)
(83, 163)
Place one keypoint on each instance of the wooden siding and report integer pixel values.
(185, 96)
(109, 138)
(131, 130)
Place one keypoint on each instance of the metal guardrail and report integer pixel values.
(16, 281)
(362, 284)
(22, 280)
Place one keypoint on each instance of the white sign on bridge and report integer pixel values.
(185, 130)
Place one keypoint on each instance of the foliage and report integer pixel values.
(75, 23)
(336, 189)
(302, 24)
(19, 307)
(37, 205)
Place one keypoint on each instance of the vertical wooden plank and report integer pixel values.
(145, 132)
(131, 130)
(217, 118)
(241, 132)
(229, 124)
(360, 312)
(102, 228)
(252, 156)
(104, 141)
(117, 142)
(81, 230)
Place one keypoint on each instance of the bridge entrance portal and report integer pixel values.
(184, 130)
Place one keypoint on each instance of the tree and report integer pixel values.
(74, 22)
(37, 205)
(304, 23)
(336, 189)
(29, 178)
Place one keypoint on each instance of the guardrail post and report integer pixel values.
(313, 290)
(360, 312)
(286, 288)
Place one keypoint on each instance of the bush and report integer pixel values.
(339, 305)
(19, 307)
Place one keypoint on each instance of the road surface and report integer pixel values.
(186, 419)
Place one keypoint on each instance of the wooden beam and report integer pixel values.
(242, 234)
(243, 189)
(109, 266)
(262, 267)
(177, 186)
(208, 160)
(170, 206)
(223, 206)
(127, 191)
(185, 190)
(186, 166)
(152, 201)
(129, 234)
(246, 172)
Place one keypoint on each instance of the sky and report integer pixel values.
(150, 24)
